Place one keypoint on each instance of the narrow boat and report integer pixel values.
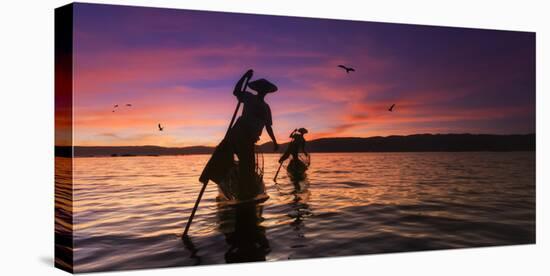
(297, 167)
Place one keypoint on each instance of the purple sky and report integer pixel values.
(178, 68)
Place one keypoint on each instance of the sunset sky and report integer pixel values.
(178, 68)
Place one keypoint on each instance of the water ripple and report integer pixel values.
(126, 217)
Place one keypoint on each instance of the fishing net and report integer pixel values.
(229, 186)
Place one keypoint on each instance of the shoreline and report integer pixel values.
(324, 152)
(409, 143)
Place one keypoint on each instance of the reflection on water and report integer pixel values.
(244, 235)
(129, 212)
(63, 214)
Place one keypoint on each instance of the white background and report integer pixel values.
(27, 132)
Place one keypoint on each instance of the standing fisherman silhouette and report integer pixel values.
(248, 129)
(240, 139)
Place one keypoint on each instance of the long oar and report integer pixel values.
(194, 209)
(277, 173)
(281, 164)
(206, 182)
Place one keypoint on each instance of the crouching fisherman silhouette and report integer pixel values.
(296, 145)
(298, 165)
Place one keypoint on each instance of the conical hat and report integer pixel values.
(302, 130)
(262, 85)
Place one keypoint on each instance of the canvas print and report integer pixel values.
(190, 138)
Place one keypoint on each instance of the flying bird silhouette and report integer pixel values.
(128, 104)
(116, 105)
(348, 69)
(391, 108)
(161, 128)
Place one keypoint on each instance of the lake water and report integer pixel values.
(129, 212)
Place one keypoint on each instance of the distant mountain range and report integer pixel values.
(409, 143)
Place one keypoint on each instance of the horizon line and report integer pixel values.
(342, 137)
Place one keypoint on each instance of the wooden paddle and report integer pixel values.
(205, 183)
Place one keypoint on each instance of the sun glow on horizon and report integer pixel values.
(437, 80)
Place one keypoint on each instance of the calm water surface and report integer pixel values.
(129, 212)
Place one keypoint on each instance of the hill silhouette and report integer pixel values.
(421, 142)
(139, 151)
(409, 143)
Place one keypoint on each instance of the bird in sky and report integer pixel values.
(391, 108)
(128, 105)
(116, 105)
(161, 128)
(348, 69)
